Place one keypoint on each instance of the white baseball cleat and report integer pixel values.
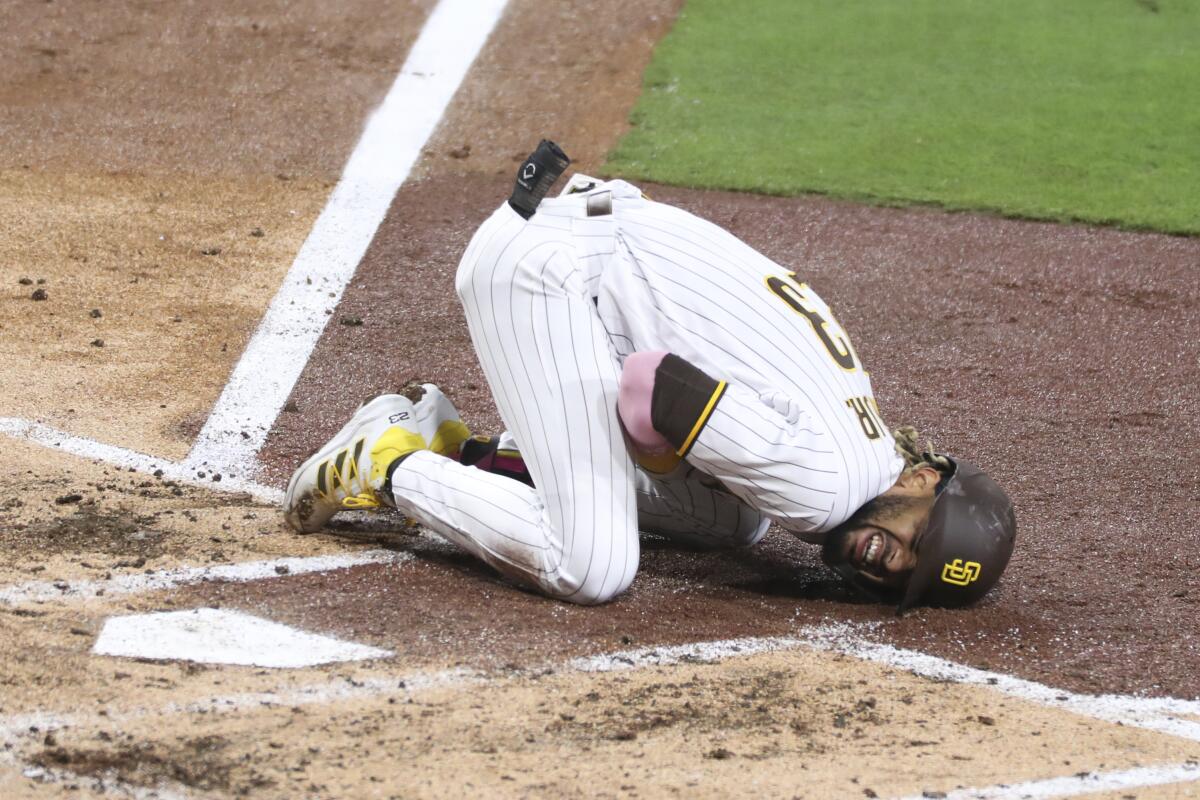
(350, 471)
(438, 421)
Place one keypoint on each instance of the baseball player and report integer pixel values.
(658, 374)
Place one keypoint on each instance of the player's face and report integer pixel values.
(880, 540)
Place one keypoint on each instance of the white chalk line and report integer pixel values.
(1075, 785)
(1158, 714)
(33, 726)
(180, 472)
(339, 690)
(392, 142)
(121, 585)
(693, 652)
(1154, 714)
(266, 373)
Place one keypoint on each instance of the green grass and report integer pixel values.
(1052, 109)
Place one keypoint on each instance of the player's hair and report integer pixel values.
(908, 445)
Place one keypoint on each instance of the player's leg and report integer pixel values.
(682, 504)
(548, 363)
(685, 505)
(689, 509)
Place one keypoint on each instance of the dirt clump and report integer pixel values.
(89, 529)
(198, 763)
(766, 701)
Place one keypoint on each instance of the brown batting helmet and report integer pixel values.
(966, 543)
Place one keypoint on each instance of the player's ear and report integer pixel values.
(920, 481)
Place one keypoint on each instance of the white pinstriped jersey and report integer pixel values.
(553, 304)
(665, 279)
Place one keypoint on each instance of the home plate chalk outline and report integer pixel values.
(136, 583)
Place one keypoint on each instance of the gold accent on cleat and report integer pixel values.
(394, 443)
(449, 437)
(350, 471)
(341, 474)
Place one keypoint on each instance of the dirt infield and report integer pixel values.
(190, 154)
(1014, 344)
(162, 165)
(773, 724)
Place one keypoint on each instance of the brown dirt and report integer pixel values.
(177, 275)
(1015, 344)
(762, 725)
(145, 145)
(197, 763)
(282, 87)
(1061, 358)
(559, 70)
(122, 532)
(62, 518)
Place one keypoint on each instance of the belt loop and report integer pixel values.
(599, 204)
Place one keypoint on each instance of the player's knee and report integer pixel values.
(598, 585)
(474, 277)
(464, 283)
(595, 597)
(589, 595)
(635, 400)
(750, 530)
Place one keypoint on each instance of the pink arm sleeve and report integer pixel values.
(634, 401)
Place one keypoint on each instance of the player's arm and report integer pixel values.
(779, 463)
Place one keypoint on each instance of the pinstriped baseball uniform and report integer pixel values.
(795, 432)
(555, 303)
(554, 377)
(690, 508)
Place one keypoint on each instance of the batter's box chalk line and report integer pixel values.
(391, 142)
(107, 784)
(1076, 785)
(185, 472)
(138, 583)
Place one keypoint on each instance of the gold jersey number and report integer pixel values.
(805, 302)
